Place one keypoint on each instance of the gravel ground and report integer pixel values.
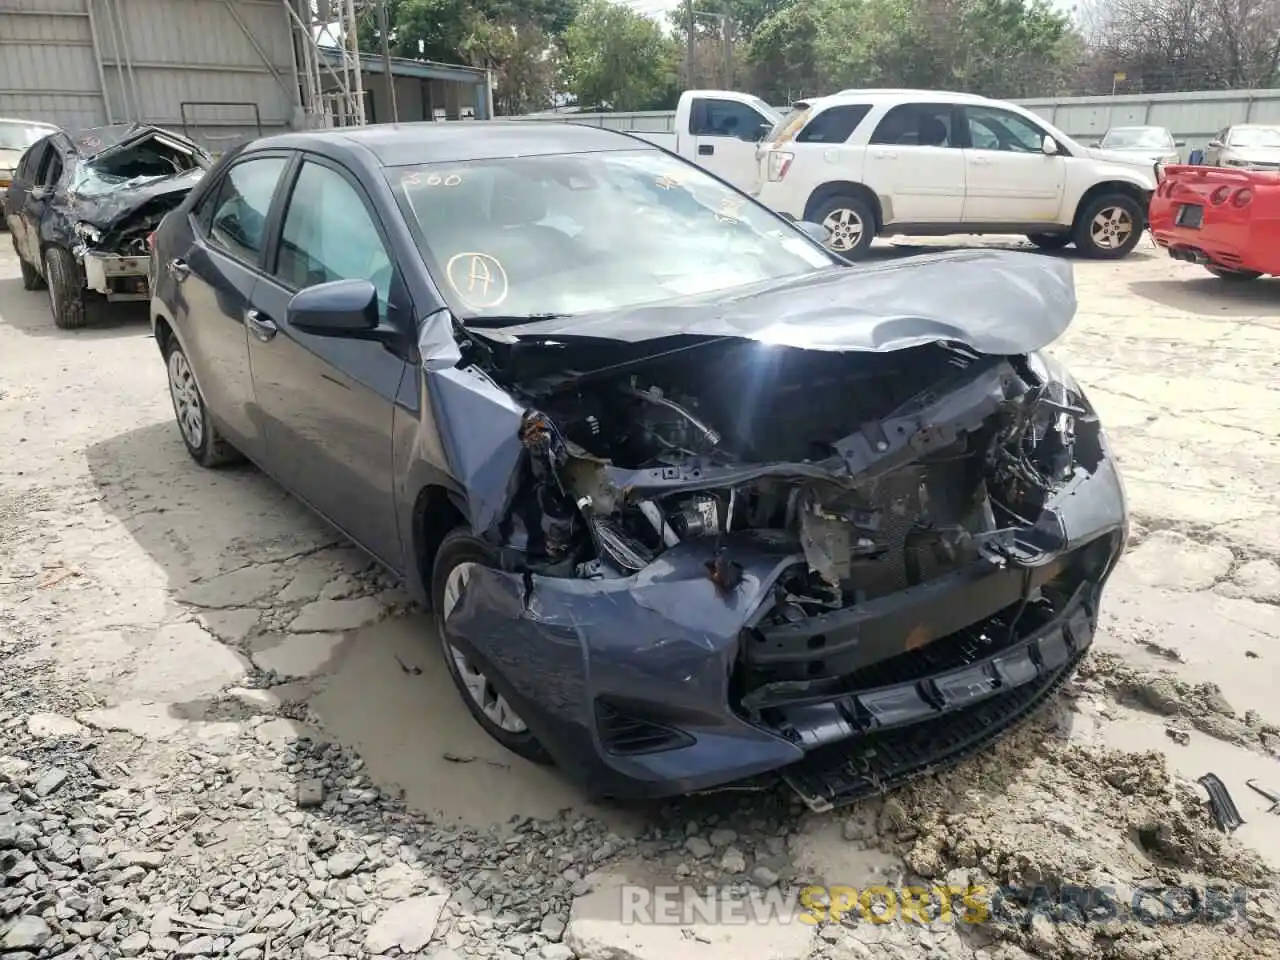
(224, 734)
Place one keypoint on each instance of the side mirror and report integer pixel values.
(1179, 143)
(1215, 143)
(814, 231)
(1049, 145)
(762, 131)
(41, 193)
(340, 308)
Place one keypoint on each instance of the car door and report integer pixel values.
(213, 283)
(48, 171)
(1008, 176)
(16, 197)
(326, 402)
(725, 134)
(914, 161)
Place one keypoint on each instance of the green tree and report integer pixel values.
(616, 57)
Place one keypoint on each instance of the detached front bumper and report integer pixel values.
(116, 277)
(637, 686)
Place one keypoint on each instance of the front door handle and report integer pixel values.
(980, 161)
(178, 268)
(885, 154)
(263, 327)
(706, 149)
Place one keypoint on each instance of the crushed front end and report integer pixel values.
(726, 561)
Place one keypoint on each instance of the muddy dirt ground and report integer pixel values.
(223, 733)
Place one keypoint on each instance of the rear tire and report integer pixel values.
(1234, 276)
(66, 293)
(458, 553)
(1049, 241)
(851, 225)
(1109, 226)
(199, 435)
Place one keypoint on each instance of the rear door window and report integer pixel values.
(834, 125)
(918, 125)
(239, 220)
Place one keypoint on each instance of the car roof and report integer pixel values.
(1138, 126)
(897, 93)
(403, 144)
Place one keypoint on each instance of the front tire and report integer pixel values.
(850, 223)
(459, 554)
(199, 435)
(1109, 227)
(1234, 276)
(1049, 241)
(66, 292)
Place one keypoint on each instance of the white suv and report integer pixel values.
(920, 162)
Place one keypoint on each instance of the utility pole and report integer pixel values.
(727, 30)
(688, 51)
(383, 21)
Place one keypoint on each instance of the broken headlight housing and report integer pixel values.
(87, 231)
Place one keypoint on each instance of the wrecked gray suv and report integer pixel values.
(81, 207)
(695, 503)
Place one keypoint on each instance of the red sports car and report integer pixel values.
(1224, 219)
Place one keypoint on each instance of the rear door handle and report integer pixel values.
(178, 268)
(263, 327)
(980, 161)
(706, 149)
(885, 154)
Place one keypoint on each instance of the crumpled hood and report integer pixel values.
(1125, 158)
(104, 203)
(995, 302)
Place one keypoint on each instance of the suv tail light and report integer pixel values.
(779, 164)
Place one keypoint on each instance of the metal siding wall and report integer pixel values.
(47, 67)
(194, 50)
(182, 50)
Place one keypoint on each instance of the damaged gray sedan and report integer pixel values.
(696, 504)
(81, 208)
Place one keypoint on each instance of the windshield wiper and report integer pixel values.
(512, 320)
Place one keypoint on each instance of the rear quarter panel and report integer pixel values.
(1241, 219)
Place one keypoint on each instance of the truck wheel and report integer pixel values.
(199, 435)
(1109, 226)
(1049, 241)
(851, 224)
(460, 553)
(1234, 276)
(31, 279)
(66, 292)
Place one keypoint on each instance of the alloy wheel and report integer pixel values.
(186, 399)
(491, 703)
(1111, 228)
(845, 228)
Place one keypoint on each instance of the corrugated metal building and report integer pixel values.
(222, 70)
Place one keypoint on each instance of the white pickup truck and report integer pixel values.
(719, 130)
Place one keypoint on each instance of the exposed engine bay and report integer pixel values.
(710, 409)
(846, 563)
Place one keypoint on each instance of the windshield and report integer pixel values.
(566, 234)
(18, 136)
(1138, 138)
(151, 158)
(1255, 137)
